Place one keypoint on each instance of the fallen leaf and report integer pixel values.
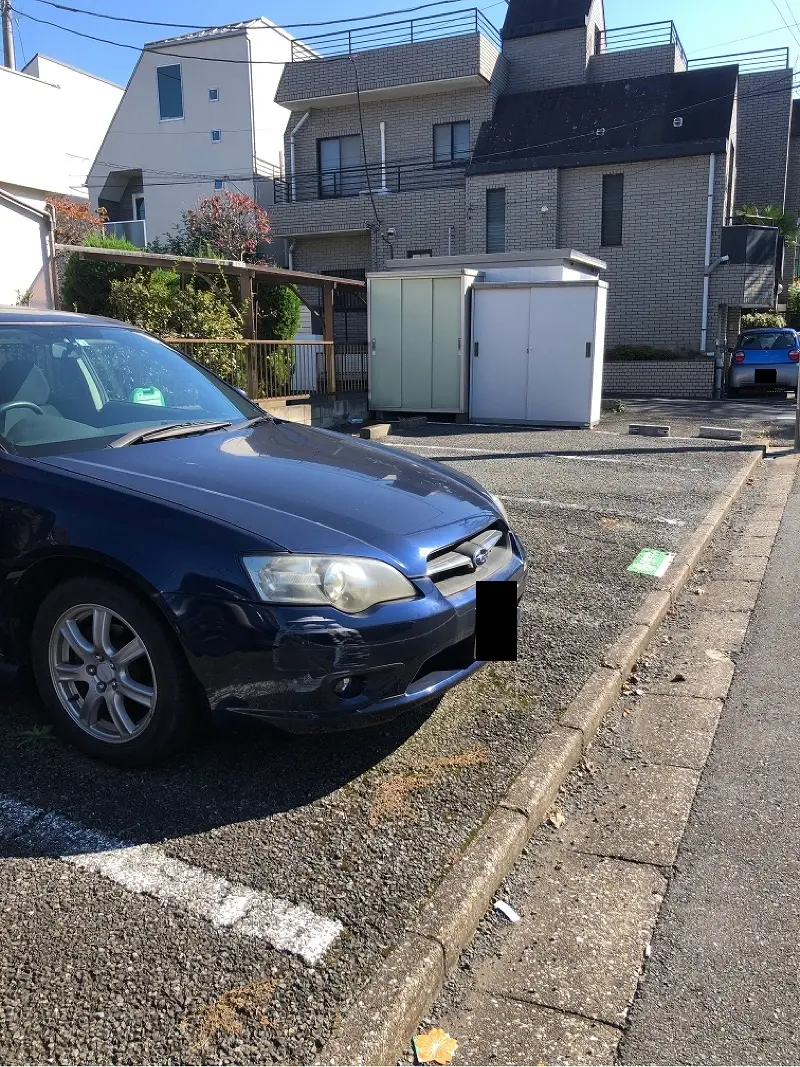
(629, 711)
(679, 678)
(556, 818)
(435, 1046)
(588, 766)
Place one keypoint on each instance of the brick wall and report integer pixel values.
(679, 378)
(656, 276)
(635, 63)
(382, 68)
(527, 226)
(409, 123)
(793, 178)
(765, 102)
(546, 60)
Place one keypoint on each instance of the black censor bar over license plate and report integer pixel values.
(496, 621)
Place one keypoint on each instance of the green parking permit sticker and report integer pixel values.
(148, 394)
(651, 562)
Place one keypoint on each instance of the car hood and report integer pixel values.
(301, 489)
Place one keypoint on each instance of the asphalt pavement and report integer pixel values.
(722, 984)
(228, 906)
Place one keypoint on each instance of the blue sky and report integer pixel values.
(706, 27)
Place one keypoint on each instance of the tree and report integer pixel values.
(87, 282)
(278, 312)
(74, 222)
(225, 226)
(770, 215)
(155, 301)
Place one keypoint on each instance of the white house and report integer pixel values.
(52, 120)
(198, 115)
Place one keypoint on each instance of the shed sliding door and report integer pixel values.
(416, 343)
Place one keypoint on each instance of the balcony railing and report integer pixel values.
(132, 230)
(358, 181)
(409, 31)
(645, 35)
(760, 62)
(270, 369)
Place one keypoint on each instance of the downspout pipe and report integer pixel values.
(51, 248)
(383, 157)
(712, 171)
(291, 154)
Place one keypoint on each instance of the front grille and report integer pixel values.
(459, 567)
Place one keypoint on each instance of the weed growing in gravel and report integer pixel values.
(37, 734)
(226, 1013)
(391, 795)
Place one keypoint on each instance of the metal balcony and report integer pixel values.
(385, 34)
(378, 178)
(760, 62)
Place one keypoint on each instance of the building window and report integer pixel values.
(341, 171)
(170, 92)
(451, 143)
(213, 94)
(419, 253)
(495, 220)
(216, 135)
(219, 184)
(611, 225)
(138, 207)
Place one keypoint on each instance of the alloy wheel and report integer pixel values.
(102, 673)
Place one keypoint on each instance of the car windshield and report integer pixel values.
(780, 340)
(67, 388)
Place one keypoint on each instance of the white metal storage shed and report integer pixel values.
(418, 328)
(513, 337)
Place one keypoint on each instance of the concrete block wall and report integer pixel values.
(668, 379)
(656, 276)
(635, 63)
(764, 112)
(527, 226)
(407, 64)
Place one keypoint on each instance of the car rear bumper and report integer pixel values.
(287, 666)
(783, 375)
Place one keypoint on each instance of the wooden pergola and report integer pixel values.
(247, 273)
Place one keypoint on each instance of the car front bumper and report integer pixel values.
(783, 375)
(287, 666)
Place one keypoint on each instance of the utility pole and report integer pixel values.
(8, 34)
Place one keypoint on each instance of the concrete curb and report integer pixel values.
(387, 1011)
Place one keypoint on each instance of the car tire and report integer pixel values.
(112, 676)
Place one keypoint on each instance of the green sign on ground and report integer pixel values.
(651, 562)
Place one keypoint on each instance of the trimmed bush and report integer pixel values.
(86, 286)
(763, 320)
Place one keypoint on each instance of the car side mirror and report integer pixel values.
(729, 350)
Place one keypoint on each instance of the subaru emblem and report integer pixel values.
(480, 557)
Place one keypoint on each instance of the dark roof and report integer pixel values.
(525, 18)
(795, 118)
(44, 317)
(559, 127)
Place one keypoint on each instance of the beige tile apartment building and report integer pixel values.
(441, 136)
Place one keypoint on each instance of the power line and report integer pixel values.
(284, 26)
(499, 157)
(786, 24)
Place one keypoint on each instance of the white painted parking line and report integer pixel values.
(575, 457)
(150, 871)
(541, 502)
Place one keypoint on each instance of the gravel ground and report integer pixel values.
(769, 417)
(358, 827)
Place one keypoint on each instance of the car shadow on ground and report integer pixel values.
(241, 771)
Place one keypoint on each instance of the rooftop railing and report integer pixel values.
(645, 35)
(410, 31)
(760, 62)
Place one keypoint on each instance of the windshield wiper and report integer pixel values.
(162, 431)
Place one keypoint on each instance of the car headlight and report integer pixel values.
(498, 503)
(349, 583)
